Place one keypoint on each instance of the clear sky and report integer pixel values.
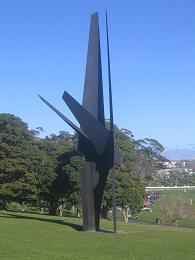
(43, 47)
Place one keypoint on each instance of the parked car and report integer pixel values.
(147, 209)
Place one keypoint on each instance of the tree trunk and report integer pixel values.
(174, 222)
(61, 210)
(125, 214)
(104, 212)
(42, 210)
(52, 208)
(23, 206)
(52, 211)
(78, 213)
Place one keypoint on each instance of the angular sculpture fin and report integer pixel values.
(109, 78)
(93, 87)
(96, 132)
(113, 157)
(78, 130)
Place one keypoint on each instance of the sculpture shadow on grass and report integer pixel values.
(77, 227)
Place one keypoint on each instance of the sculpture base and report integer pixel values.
(88, 180)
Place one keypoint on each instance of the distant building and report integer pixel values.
(175, 169)
(190, 164)
(180, 164)
(163, 173)
(173, 164)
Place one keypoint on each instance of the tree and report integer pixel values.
(176, 208)
(65, 189)
(129, 194)
(59, 184)
(17, 157)
(45, 171)
(37, 170)
(64, 139)
(125, 147)
(147, 153)
(129, 188)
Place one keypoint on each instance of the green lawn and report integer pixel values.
(156, 213)
(33, 236)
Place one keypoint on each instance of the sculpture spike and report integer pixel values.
(95, 131)
(95, 141)
(78, 130)
(109, 77)
(93, 87)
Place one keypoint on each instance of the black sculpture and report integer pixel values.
(95, 141)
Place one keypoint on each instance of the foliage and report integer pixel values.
(129, 188)
(45, 171)
(15, 206)
(58, 184)
(147, 154)
(18, 156)
(65, 188)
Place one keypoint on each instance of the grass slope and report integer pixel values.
(156, 213)
(33, 236)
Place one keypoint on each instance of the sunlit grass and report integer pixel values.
(34, 236)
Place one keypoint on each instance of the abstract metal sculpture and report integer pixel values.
(96, 142)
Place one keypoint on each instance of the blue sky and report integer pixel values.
(43, 50)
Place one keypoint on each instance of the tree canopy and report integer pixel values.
(45, 171)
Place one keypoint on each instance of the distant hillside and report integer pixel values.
(180, 153)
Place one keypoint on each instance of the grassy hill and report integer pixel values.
(34, 236)
(156, 213)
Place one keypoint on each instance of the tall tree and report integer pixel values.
(59, 185)
(147, 153)
(177, 208)
(17, 157)
(129, 188)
